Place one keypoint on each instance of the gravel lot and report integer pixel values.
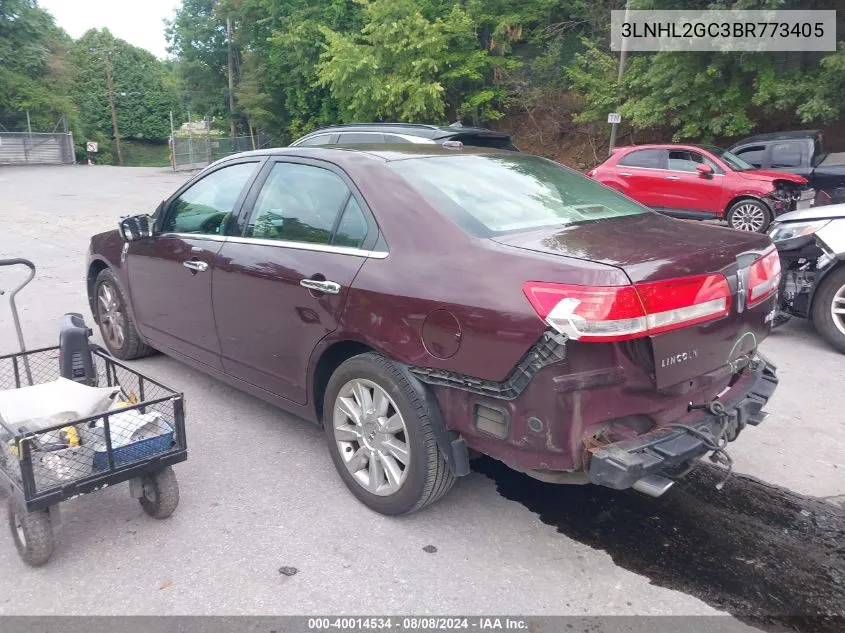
(259, 491)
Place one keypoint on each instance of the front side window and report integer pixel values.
(318, 139)
(204, 208)
(298, 203)
(652, 158)
(487, 195)
(686, 160)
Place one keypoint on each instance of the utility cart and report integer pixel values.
(73, 419)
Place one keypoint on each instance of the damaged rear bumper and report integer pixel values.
(663, 451)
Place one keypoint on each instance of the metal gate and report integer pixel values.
(33, 148)
(198, 151)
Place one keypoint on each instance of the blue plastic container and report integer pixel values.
(135, 452)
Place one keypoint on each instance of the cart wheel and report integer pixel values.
(33, 534)
(161, 493)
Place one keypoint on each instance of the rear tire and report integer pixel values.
(32, 533)
(115, 319)
(829, 297)
(161, 493)
(749, 215)
(394, 424)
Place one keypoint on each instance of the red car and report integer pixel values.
(422, 302)
(700, 182)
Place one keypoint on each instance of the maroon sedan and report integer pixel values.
(424, 304)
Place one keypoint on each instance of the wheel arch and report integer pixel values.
(95, 267)
(746, 196)
(839, 263)
(329, 360)
(453, 448)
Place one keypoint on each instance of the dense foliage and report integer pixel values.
(299, 64)
(304, 63)
(46, 74)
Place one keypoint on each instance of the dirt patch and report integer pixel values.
(768, 556)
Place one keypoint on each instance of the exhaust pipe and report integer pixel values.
(653, 485)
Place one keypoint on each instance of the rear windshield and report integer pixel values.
(495, 142)
(490, 195)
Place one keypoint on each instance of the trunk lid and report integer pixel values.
(651, 247)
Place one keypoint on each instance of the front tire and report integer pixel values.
(116, 324)
(160, 493)
(829, 309)
(32, 533)
(749, 215)
(381, 439)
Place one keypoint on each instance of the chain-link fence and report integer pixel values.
(20, 145)
(197, 151)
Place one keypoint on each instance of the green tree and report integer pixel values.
(144, 93)
(403, 65)
(197, 37)
(33, 73)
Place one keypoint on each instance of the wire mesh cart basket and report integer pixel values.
(73, 420)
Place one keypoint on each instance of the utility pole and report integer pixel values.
(623, 57)
(110, 84)
(231, 80)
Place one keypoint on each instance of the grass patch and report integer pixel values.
(145, 154)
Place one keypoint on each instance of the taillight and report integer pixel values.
(591, 173)
(618, 313)
(763, 278)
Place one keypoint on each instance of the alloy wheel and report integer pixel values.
(371, 437)
(748, 217)
(112, 318)
(837, 309)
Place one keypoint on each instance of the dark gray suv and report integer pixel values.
(381, 133)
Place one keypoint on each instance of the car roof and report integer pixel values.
(414, 129)
(374, 151)
(626, 148)
(778, 136)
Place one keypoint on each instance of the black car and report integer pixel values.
(381, 133)
(799, 152)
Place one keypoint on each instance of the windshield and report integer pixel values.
(732, 160)
(489, 195)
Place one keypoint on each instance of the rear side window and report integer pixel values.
(488, 195)
(356, 138)
(352, 228)
(652, 158)
(752, 155)
(298, 203)
(786, 155)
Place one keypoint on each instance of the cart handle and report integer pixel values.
(18, 261)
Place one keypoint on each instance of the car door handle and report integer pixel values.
(199, 267)
(673, 177)
(329, 287)
(625, 173)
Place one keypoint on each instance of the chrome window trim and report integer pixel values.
(302, 246)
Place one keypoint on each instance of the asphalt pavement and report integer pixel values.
(260, 493)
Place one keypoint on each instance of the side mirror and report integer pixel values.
(704, 169)
(136, 227)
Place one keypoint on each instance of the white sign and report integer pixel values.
(91, 146)
(614, 117)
